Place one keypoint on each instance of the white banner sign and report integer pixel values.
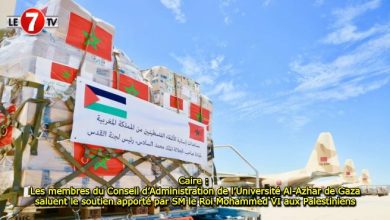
(107, 117)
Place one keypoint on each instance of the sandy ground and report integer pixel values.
(368, 208)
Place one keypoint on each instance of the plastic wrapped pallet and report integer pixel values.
(78, 25)
(181, 94)
(18, 110)
(51, 58)
(49, 158)
(128, 78)
(44, 45)
(50, 161)
(126, 65)
(50, 165)
(170, 90)
(83, 45)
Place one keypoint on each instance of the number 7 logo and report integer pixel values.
(34, 16)
(32, 21)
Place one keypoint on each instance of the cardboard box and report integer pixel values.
(79, 26)
(170, 90)
(54, 62)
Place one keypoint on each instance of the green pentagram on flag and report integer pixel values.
(131, 90)
(199, 117)
(102, 161)
(197, 132)
(66, 74)
(91, 39)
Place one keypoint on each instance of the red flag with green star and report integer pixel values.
(105, 166)
(176, 102)
(63, 73)
(198, 115)
(131, 86)
(98, 42)
(196, 132)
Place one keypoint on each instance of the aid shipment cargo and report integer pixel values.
(77, 112)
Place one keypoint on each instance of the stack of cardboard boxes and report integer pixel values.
(83, 46)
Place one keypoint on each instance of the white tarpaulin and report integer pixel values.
(110, 118)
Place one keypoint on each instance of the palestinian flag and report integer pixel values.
(105, 166)
(100, 100)
(6, 137)
(198, 115)
(98, 42)
(131, 86)
(196, 132)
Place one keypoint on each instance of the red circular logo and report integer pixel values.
(32, 21)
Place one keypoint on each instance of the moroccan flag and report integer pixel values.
(131, 86)
(98, 42)
(63, 73)
(196, 132)
(348, 173)
(198, 115)
(323, 159)
(105, 166)
(175, 102)
(6, 137)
